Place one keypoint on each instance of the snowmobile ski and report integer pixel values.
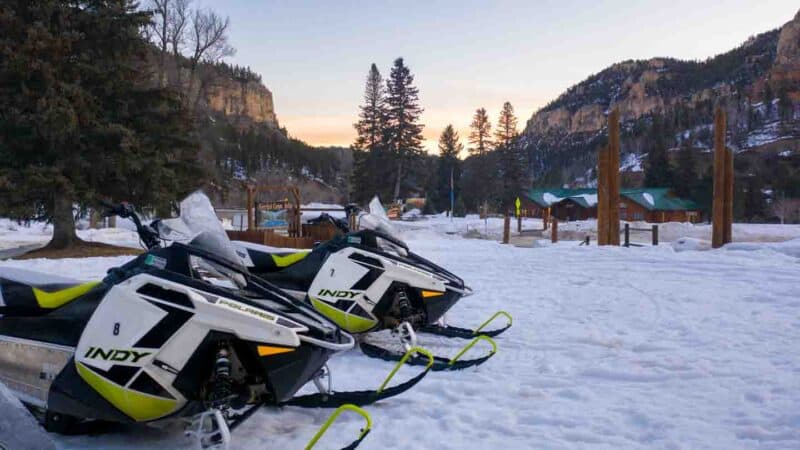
(330, 399)
(466, 333)
(238, 420)
(439, 363)
(347, 407)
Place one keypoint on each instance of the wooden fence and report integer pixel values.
(272, 239)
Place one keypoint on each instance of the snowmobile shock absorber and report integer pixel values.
(405, 308)
(403, 303)
(222, 386)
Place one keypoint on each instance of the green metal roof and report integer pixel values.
(659, 199)
(652, 199)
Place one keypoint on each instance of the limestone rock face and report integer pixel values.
(249, 100)
(789, 43)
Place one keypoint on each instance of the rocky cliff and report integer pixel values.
(247, 100)
(758, 83)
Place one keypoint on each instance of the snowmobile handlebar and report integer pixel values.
(125, 210)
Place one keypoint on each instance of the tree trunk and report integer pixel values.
(63, 223)
(399, 179)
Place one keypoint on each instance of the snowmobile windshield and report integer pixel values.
(377, 220)
(199, 227)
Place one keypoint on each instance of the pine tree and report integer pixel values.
(512, 157)
(480, 134)
(369, 153)
(403, 130)
(372, 118)
(657, 171)
(448, 169)
(88, 122)
(506, 129)
(685, 177)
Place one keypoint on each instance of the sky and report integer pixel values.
(314, 55)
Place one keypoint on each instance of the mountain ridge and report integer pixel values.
(564, 135)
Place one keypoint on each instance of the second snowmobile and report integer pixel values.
(369, 280)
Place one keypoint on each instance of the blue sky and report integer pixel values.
(314, 56)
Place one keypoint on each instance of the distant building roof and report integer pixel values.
(548, 197)
(652, 199)
(659, 199)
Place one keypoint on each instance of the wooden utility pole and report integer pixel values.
(602, 196)
(613, 177)
(506, 228)
(250, 224)
(727, 228)
(608, 185)
(722, 208)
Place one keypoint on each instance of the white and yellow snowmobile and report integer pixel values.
(369, 280)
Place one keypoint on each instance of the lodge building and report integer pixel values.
(654, 205)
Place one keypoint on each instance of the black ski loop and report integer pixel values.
(439, 363)
(466, 333)
(357, 442)
(363, 398)
(463, 333)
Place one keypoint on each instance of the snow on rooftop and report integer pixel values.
(648, 197)
(550, 198)
(590, 199)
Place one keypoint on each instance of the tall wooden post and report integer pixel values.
(554, 230)
(727, 224)
(250, 224)
(506, 228)
(613, 177)
(602, 196)
(720, 179)
(519, 223)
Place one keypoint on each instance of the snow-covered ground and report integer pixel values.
(611, 348)
(13, 234)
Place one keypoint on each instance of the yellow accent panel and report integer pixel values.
(265, 350)
(288, 260)
(349, 322)
(140, 407)
(52, 300)
(426, 294)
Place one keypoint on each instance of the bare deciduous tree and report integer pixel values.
(209, 37)
(176, 31)
(786, 209)
(159, 26)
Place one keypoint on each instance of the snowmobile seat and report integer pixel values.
(25, 292)
(264, 262)
(299, 275)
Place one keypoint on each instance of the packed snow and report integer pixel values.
(610, 348)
